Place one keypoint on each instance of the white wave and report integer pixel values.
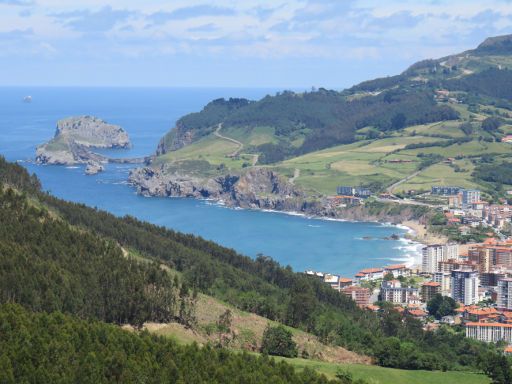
(405, 228)
(314, 226)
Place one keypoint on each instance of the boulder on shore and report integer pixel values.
(93, 168)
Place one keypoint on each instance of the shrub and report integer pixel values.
(278, 341)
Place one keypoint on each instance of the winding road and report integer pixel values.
(240, 145)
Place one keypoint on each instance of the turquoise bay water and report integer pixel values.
(147, 113)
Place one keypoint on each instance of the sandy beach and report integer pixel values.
(421, 234)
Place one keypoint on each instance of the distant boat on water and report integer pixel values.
(27, 99)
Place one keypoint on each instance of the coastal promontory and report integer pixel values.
(74, 138)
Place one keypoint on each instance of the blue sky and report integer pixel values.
(283, 44)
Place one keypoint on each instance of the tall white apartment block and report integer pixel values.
(433, 254)
(445, 279)
(505, 293)
(465, 286)
(451, 251)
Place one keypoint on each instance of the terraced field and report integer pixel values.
(362, 162)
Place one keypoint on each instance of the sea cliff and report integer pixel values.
(263, 188)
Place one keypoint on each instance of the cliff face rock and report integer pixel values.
(255, 188)
(57, 157)
(177, 138)
(73, 139)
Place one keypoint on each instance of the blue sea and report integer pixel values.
(147, 114)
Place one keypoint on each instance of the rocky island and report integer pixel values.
(74, 139)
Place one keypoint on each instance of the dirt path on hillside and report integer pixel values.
(240, 145)
(296, 174)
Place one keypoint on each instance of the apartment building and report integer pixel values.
(431, 255)
(465, 286)
(489, 332)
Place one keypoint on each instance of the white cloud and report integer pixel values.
(339, 30)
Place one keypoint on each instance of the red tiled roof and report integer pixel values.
(345, 280)
(466, 308)
(371, 270)
(417, 312)
(432, 284)
(482, 311)
(395, 266)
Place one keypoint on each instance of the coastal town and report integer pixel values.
(457, 283)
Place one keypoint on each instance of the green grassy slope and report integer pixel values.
(380, 375)
(365, 135)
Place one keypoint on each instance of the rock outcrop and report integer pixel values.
(175, 139)
(91, 131)
(260, 188)
(74, 138)
(255, 188)
(93, 168)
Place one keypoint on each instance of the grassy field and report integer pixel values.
(379, 375)
(441, 174)
(252, 136)
(212, 149)
(352, 164)
(449, 128)
(472, 148)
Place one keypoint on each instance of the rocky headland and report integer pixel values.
(76, 136)
(259, 188)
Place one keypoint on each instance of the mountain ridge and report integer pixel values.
(435, 123)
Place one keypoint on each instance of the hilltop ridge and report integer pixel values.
(436, 123)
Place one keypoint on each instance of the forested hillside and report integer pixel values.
(305, 122)
(57, 348)
(308, 121)
(91, 275)
(48, 266)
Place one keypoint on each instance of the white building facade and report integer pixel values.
(393, 292)
(465, 286)
(489, 332)
(505, 293)
(431, 255)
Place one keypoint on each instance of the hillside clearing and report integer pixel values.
(381, 375)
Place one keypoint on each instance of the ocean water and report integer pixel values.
(147, 114)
